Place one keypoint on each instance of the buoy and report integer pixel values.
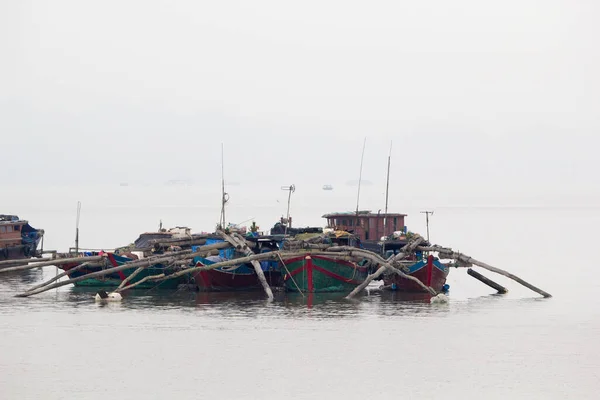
(440, 299)
(103, 296)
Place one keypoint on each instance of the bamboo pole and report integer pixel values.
(257, 257)
(78, 279)
(501, 289)
(387, 265)
(236, 261)
(57, 277)
(58, 261)
(352, 253)
(407, 249)
(132, 264)
(240, 244)
(143, 280)
(129, 278)
(14, 263)
(449, 253)
(181, 242)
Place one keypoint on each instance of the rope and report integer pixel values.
(353, 274)
(290, 274)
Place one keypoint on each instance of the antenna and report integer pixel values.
(360, 174)
(224, 196)
(291, 190)
(427, 221)
(387, 187)
(77, 227)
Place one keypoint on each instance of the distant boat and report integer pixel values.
(327, 187)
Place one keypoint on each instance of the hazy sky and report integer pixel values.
(475, 95)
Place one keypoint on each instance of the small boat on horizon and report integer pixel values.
(327, 187)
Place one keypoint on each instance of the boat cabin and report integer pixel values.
(10, 230)
(365, 224)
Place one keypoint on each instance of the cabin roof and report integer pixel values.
(366, 213)
(15, 222)
(12, 219)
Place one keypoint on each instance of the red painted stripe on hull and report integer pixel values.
(429, 270)
(309, 270)
(114, 263)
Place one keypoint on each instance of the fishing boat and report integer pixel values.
(114, 279)
(386, 234)
(147, 244)
(428, 270)
(240, 277)
(243, 276)
(314, 274)
(318, 273)
(327, 187)
(18, 239)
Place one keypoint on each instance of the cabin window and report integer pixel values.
(367, 235)
(17, 227)
(350, 223)
(9, 228)
(344, 222)
(2, 229)
(395, 224)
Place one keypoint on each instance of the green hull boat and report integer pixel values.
(322, 274)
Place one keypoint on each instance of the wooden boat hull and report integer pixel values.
(14, 253)
(242, 278)
(429, 271)
(322, 274)
(215, 280)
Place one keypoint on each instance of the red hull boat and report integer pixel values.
(430, 271)
(216, 280)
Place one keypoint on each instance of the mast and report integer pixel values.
(224, 196)
(291, 189)
(427, 221)
(387, 188)
(77, 227)
(360, 176)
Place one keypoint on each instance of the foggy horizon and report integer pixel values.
(480, 99)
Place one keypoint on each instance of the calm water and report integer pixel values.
(157, 345)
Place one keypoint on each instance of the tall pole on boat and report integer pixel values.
(77, 227)
(291, 189)
(360, 178)
(427, 213)
(224, 196)
(387, 188)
